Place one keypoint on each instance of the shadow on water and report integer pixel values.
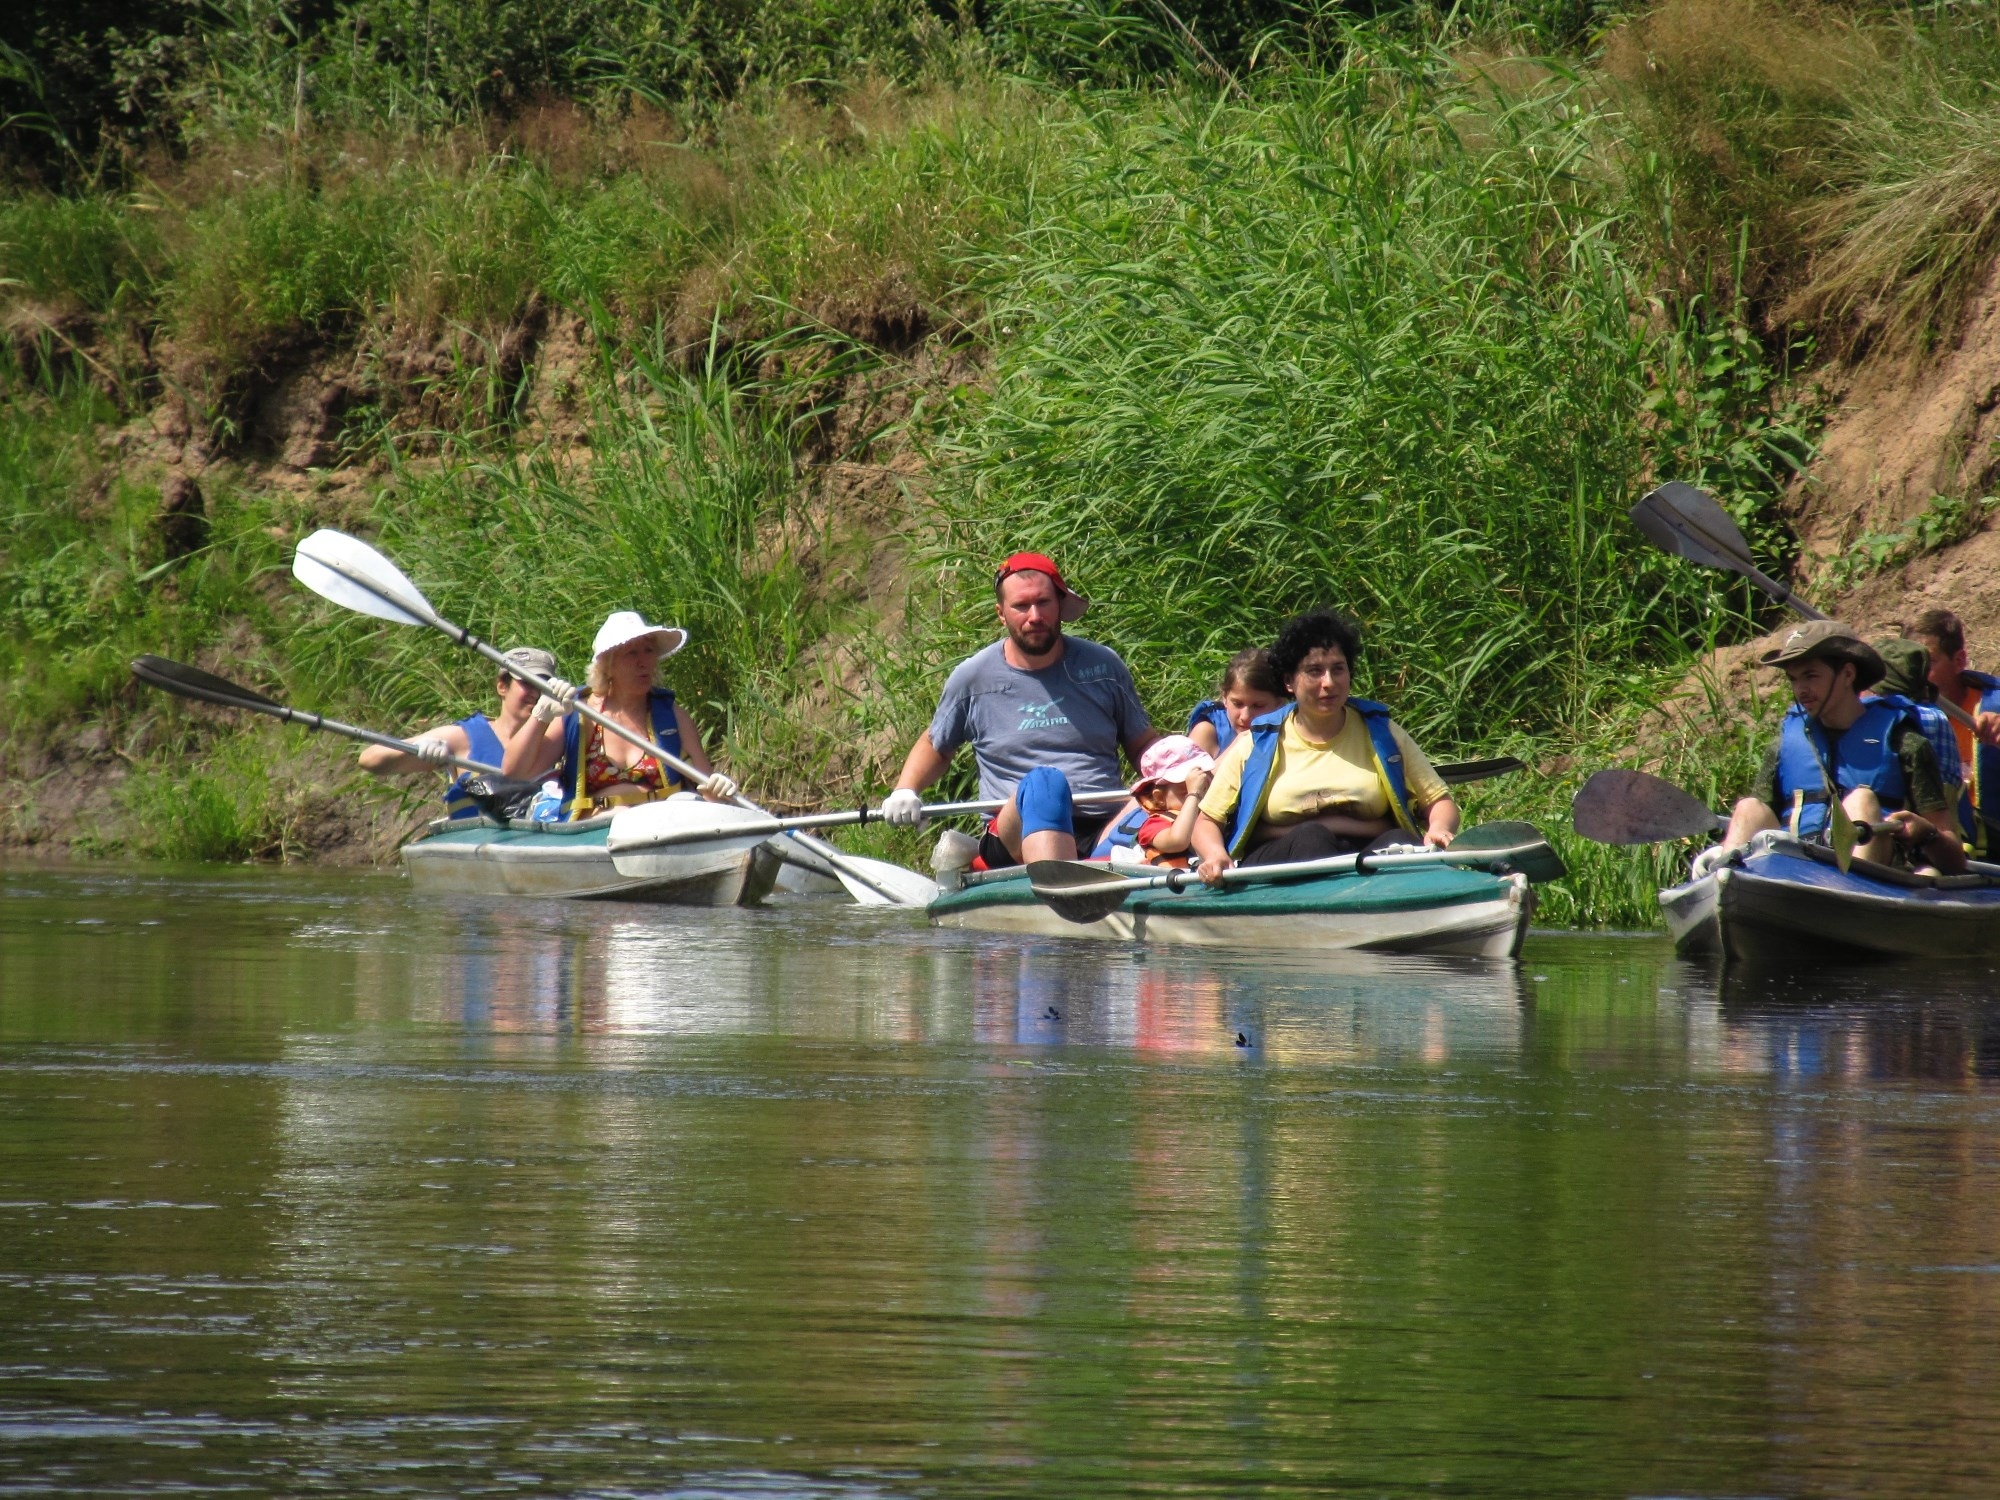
(306, 1186)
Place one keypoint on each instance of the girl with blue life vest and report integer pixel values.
(1871, 754)
(475, 737)
(597, 771)
(1326, 774)
(1249, 688)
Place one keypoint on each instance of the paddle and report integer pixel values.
(687, 826)
(1087, 891)
(353, 574)
(1687, 522)
(205, 687)
(1630, 807)
(1457, 773)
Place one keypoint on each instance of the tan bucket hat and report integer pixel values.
(1830, 641)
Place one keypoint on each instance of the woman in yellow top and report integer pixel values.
(1327, 774)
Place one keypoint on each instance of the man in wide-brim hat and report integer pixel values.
(1871, 753)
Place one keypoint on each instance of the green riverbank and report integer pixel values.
(1234, 322)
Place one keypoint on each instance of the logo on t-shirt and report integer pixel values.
(1042, 715)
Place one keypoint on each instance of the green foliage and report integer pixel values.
(1858, 147)
(89, 253)
(683, 513)
(1367, 341)
(1945, 520)
(225, 808)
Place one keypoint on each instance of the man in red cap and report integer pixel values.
(1046, 715)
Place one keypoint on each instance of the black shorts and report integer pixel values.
(1316, 841)
(993, 854)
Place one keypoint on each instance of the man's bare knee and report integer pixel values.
(1047, 843)
(1750, 816)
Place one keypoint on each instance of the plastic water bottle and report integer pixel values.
(547, 806)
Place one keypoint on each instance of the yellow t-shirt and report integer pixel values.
(1310, 779)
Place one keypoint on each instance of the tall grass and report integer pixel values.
(1839, 167)
(1366, 340)
(685, 512)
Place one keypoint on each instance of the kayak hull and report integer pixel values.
(1436, 909)
(571, 862)
(1786, 902)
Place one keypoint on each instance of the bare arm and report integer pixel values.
(922, 766)
(533, 751)
(380, 760)
(1208, 845)
(1203, 734)
(691, 749)
(1180, 838)
(1441, 819)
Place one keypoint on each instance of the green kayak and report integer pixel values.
(1422, 909)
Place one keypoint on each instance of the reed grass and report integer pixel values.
(1364, 340)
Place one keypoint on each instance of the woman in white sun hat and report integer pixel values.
(600, 771)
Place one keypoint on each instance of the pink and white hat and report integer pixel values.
(1172, 758)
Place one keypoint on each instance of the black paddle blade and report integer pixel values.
(191, 682)
(1682, 520)
(1535, 858)
(1630, 807)
(1457, 773)
(1076, 891)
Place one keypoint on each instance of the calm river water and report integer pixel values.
(307, 1186)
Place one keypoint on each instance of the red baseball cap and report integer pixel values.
(1073, 603)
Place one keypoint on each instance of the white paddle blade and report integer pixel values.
(906, 886)
(330, 563)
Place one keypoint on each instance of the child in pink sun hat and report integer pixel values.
(1158, 826)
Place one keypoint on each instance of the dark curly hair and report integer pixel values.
(1317, 630)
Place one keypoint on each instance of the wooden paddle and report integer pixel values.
(1089, 891)
(1686, 522)
(184, 681)
(352, 574)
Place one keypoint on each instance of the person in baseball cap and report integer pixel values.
(1870, 753)
(600, 771)
(1046, 716)
(475, 737)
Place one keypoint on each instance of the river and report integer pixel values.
(308, 1186)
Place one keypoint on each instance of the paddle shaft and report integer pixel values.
(610, 726)
(1339, 864)
(1720, 542)
(317, 721)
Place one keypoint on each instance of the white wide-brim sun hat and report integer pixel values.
(628, 625)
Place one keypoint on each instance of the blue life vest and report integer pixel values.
(666, 734)
(1268, 731)
(1863, 755)
(1122, 834)
(1943, 739)
(1213, 714)
(1982, 787)
(485, 745)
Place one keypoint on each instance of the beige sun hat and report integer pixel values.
(1830, 641)
(627, 625)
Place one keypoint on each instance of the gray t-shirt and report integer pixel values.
(1072, 716)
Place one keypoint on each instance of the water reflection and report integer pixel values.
(309, 1186)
